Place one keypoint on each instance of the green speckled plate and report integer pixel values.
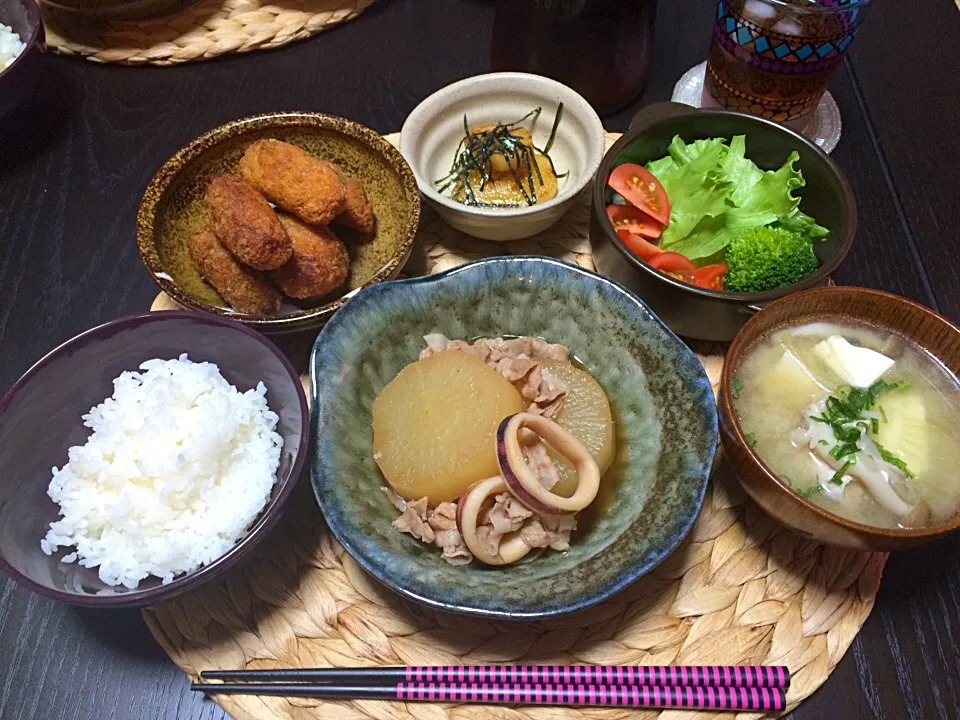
(667, 427)
(172, 209)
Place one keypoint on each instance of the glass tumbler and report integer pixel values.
(775, 58)
(600, 48)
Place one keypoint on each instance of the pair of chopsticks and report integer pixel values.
(711, 687)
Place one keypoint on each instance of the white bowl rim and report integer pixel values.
(569, 97)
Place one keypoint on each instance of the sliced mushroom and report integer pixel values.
(918, 517)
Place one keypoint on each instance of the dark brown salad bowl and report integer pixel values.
(697, 312)
(40, 418)
(931, 332)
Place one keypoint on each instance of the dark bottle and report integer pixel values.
(600, 48)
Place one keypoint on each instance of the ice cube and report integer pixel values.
(789, 26)
(757, 11)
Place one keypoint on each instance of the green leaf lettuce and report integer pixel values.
(716, 193)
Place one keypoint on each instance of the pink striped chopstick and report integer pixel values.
(710, 698)
(748, 676)
(662, 675)
(751, 699)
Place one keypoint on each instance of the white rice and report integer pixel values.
(10, 46)
(178, 467)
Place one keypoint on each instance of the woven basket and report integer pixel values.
(199, 31)
(740, 590)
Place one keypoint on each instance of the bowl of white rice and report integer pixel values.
(21, 43)
(145, 456)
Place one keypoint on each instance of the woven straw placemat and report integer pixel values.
(199, 31)
(740, 590)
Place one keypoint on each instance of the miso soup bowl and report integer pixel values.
(886, 312)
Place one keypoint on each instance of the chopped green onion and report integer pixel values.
(736, 386)
(843, 412)
(894, 460)
(751, 439)
(847, 434)
(802, 492)
(841, 451)
(837, 478)
(881, 386)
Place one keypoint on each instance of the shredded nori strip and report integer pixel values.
(474, 154)
(553, 130)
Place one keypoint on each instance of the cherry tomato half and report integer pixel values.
(671, 262)
(627, 217)
(710, 276)
(638, 246)
(642, 189)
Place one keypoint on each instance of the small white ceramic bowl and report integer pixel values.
(433, 130)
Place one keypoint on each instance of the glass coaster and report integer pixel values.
(824, 128)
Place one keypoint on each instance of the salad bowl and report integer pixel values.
(662, 402)
(699, 312)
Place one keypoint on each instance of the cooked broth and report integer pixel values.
(871, 443)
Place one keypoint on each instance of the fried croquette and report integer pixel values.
(246, 224)
(319, 264)
(357, 212)
(294, 180)
(246, 290)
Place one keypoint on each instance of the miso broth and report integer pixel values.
(879, 451)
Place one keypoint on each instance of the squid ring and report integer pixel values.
(512, 546)
(521, 481)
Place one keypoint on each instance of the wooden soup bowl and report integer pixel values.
(886, 312)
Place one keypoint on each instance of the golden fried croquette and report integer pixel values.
(357, 212)
(246, 290)
(319, 263)
(246, 224)
(294, 180)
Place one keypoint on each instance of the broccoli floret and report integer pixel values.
(765, 258)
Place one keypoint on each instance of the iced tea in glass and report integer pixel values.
(600, 48)
(775, 58)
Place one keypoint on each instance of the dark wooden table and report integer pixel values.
(73, 165)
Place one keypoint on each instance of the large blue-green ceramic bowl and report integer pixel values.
(664, 407)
